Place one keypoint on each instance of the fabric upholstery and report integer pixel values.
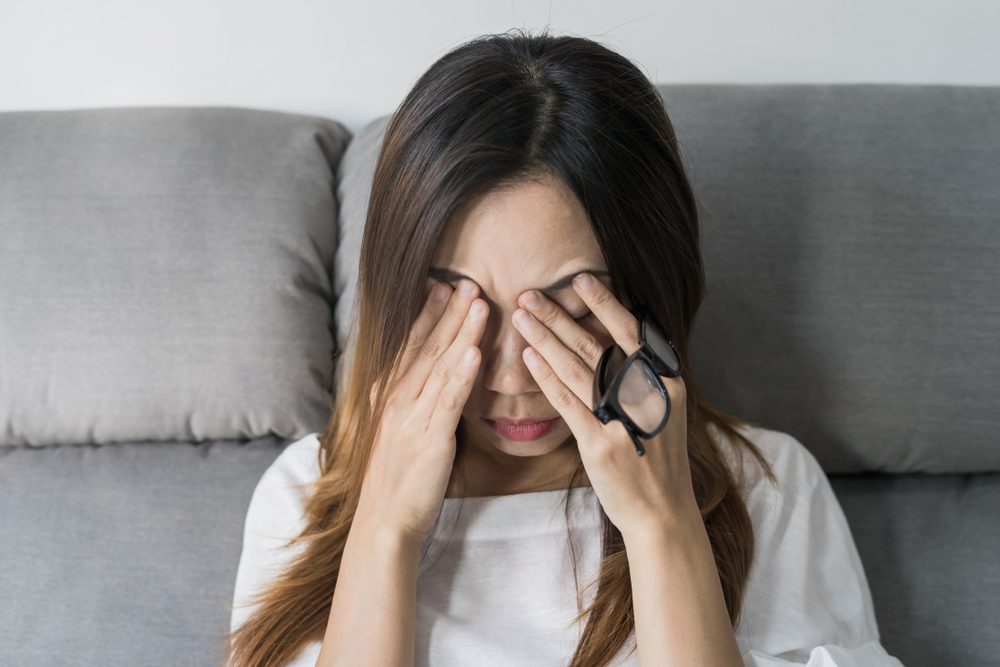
(849, 243)
(112, 554)
(851, 251)
(165, 274)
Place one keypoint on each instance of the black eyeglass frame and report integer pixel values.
(606, 404)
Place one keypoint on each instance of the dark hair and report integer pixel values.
(493, 112)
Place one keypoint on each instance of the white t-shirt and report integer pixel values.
(496, 588)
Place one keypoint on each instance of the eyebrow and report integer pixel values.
(448, 275)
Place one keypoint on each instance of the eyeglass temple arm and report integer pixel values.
(639, 449)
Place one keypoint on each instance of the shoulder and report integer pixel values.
(274, 517)
(794, 466)
(283, 488)
(807, 587)
(297, 463)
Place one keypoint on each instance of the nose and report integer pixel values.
(502, 369)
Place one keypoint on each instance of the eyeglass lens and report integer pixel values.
(662, 348)
(638, 393)
(640, 398)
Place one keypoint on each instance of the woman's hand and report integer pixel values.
(635, 491)
(414, 448)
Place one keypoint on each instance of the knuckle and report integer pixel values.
(607, 447)
(431, 347)
(441, 371)
(549, 317)
(577, 373)
(676, 389)
(602, 298)
(450, 400)
(413, 340)
(544, 335)
(563, 396)
(589, 348)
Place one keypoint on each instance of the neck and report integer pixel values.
(477, 474)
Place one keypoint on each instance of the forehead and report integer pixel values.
(524, 231)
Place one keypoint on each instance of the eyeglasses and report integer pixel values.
(629, 388)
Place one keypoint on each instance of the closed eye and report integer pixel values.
(582, 317)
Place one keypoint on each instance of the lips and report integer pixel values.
(525, 420)
(521, 431)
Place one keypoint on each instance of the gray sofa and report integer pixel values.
(176, 285)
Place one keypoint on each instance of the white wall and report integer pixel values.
(355, 61)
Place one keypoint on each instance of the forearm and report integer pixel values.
(680, 610)
(372, 616)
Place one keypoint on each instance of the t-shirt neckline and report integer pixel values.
(516, 515)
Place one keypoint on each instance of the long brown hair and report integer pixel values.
(496, 110)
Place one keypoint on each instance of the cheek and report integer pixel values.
(473, 402)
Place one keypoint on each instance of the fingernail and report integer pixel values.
(467, 287)
(440, 292)
(582, 281)
(531, 299)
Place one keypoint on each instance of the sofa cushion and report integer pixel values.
(165, 274)
(355, 174)
(131, 550)
(123, 554)
(928, 545)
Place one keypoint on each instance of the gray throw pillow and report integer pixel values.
(166, 274)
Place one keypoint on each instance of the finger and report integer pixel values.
(579, 417)
(674, 431)
(452, 397)
(450, 363)
(437, 342)
(567, 365)
(573, 335)
(434, 306)
(676, 391)
(615, 317)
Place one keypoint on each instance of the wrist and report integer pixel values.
(382, 544)
(682, 524)
(391, 538)
(386, 534)
(379, 527)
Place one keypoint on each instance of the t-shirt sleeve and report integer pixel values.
(807, 600)
(274, 516)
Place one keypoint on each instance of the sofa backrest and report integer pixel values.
(851, 238)
(170, 274)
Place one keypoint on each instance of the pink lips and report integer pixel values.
(521, 432)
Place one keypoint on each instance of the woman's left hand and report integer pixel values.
(637, 492)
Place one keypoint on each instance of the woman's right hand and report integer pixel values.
(414, 447)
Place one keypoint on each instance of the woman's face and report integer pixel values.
(509, 241)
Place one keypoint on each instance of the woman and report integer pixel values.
(420, 523)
